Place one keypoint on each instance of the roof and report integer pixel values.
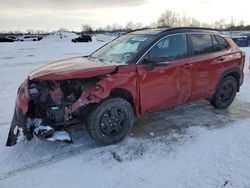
(157, 31)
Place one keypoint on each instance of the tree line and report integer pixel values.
(169, 19)
(166, 19)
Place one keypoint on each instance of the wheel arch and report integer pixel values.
(234, 72)
(125, 94)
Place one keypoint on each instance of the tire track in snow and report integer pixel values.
(69, 152)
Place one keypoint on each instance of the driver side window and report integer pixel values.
(170, 48)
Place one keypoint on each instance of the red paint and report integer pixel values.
(23, 97)
(71, 69)
(126, 78)
(164, 86)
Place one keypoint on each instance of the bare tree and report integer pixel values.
(220, 24)
(138, 25)
(167, 19)
(30, 31)
(108, 28)
(63, 29)
(116, 27)
(206, 25)
(185, 21)
(153, 25)
(99, 30)
(131, 25)
(87, 29)
(242, 22)
(195, 22)
(232, 21)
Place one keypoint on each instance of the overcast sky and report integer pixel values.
(71, 14)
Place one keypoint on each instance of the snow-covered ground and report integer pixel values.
(64, 36)
(192, 145)
(103, 37)
(59, 36)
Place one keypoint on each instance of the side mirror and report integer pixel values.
(150, 66)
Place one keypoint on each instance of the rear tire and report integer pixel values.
(110, 121)
(225, 93)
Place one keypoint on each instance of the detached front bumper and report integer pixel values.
(18, 124)
(31, 127)
(19, 120)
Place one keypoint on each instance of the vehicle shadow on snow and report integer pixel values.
(199, 113)
(166, 127)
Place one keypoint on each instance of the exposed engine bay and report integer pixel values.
(54, 101)
(53, 107)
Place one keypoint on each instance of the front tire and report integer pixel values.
(225, 93)
(110, 121)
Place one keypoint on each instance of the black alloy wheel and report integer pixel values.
(110, 121)
(225, 93)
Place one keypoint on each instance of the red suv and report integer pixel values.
(140, 72)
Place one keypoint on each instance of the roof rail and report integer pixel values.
(165, 29)
(141, 29)
(196, 28)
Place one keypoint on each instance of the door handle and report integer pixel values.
(188, 66)
(221, 58)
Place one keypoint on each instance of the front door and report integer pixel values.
(165, 74)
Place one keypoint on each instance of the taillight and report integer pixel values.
(249, 63)
(243, 58)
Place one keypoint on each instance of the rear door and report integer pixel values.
(205, 57)
(210, 56)
(202, 58)
(165, 74)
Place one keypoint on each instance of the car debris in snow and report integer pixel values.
(152, 134)
(60, 136)
(47, 132)
(117, 157)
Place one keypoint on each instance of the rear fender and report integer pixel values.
(231, 71)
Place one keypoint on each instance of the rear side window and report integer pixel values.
(201, 44)
(222, 42)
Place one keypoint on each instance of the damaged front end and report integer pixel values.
(47, 109)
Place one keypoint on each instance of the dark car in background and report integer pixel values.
(5, 39)
(83, 38)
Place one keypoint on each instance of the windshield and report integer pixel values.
(121, 50)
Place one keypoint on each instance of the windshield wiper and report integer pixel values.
(98, 59)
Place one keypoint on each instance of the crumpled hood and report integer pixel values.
(71, 68)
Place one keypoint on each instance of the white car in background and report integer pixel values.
(30, 38)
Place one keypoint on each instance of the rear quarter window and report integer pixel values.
(223, 44)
